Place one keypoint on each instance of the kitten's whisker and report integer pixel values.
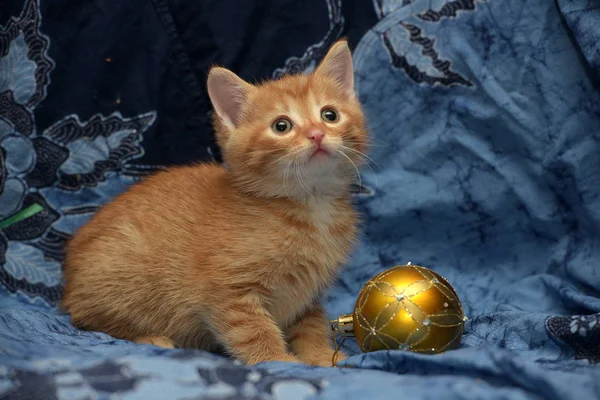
(380, 141)
(369, 145)
(298, 176)
(371, 138)
(303, 176)
(285, 189)
(362, 155)
(355, 167)
(287, 155)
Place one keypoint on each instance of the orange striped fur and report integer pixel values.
(233, 258)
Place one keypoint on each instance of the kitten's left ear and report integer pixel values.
(337, 65)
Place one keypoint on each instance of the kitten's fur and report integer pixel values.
(207, 257)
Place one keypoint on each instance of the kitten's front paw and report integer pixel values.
(282, 358)
(321, 359)
(160, 341)
(289, 358)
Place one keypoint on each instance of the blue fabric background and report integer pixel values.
(485, 118)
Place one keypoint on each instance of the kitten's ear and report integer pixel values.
(228, 94)
(337, 65)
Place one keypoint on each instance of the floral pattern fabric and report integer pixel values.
(484, 116)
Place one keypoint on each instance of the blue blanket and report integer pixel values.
(485, 118)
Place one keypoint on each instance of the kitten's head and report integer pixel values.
(299, 135)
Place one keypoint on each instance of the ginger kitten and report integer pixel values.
(234, 258)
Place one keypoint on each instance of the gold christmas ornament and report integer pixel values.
(407, 307)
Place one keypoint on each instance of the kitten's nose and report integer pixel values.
(316, 136)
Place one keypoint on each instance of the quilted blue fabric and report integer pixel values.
(485, 118)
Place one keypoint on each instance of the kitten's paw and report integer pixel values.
(289, 358)
(321, 359)
(160, 341)
(282, 358)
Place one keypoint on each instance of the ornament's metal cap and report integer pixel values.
(343, 325)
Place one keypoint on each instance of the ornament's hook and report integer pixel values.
(343, 326)
(337, 350)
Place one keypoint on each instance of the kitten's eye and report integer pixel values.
(282, 125)
(329, 115)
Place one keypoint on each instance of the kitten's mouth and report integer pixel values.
(319, 153)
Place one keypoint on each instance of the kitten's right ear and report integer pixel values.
(337, 65)
(228, 94)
